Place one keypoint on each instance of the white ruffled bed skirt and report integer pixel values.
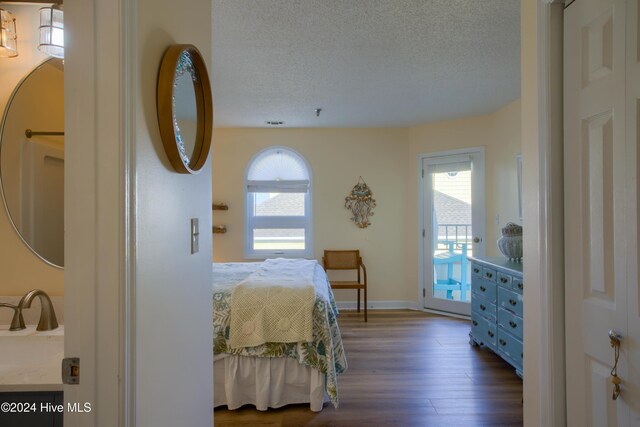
(266, 383)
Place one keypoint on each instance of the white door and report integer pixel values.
(453, 194)
(601, 291)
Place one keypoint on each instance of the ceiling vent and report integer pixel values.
(275, 123)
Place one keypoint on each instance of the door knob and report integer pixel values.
(614, 339)
(477, 239)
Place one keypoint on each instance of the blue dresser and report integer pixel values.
(496, 307)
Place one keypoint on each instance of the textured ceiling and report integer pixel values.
(366, 63)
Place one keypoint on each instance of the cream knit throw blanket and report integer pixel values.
(274, 304)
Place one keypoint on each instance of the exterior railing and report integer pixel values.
(459, 234)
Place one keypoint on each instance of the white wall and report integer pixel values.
(138, 304)
(20, 269)
(174, 337)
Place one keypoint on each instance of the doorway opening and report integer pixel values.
(452, 226)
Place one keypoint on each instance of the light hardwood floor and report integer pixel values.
(406, 368)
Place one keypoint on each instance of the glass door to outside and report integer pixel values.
(453, 228)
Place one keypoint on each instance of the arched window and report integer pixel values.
(278, 205)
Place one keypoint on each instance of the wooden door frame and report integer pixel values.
(100, 104)
(543, 195)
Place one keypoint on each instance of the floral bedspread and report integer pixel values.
(325, 353)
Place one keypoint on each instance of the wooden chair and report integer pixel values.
(347, 260)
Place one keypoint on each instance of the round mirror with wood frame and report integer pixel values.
(185, 108)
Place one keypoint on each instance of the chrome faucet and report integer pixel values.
(48, 319)
(17, 322)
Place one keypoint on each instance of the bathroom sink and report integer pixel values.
(30, 356)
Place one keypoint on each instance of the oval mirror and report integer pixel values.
(185, 108)
(185, 114)
(32, 160)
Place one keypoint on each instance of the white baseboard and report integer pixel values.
(446, 313)
(396, 305)
(379, 305)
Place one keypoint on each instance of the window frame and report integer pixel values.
(252, 222)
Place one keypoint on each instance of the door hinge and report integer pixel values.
(423, 173)
(423, 233)
(424, 292)
(71, 370)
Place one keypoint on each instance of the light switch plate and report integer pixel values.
(195, 235)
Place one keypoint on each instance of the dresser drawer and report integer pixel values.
(510, 347)
(504, 280)
(517, 284)
(476, 270)
(510, 300)
(497, 308)
(486, 290)
(489, 274)
(510, 322)
(484, 332)
(483, 307)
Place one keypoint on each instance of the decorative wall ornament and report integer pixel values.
(361, 203)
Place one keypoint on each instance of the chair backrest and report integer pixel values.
(341, 260)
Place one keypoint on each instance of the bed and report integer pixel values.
(275, 374)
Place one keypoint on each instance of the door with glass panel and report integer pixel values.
(453, 194)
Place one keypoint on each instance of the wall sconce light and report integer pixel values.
(8, 36)
(52, 31)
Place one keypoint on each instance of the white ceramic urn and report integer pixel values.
(510, 244)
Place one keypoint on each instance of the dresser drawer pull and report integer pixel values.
(483, 307)
(502, 342)
(491, 334)
(476, 270)
(489, 275)
(513, 324)
(513, 302)
(482, 288)
(474, 323)
(504, 279)
(520, 286)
